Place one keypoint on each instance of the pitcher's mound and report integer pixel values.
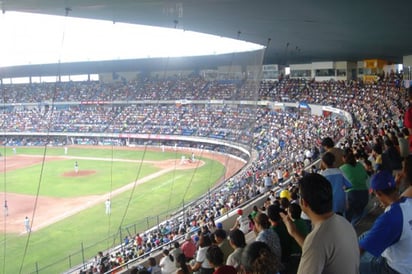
(79, 173)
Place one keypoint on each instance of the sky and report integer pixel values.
(41, 39)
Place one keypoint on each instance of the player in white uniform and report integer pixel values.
(76, 167)
(108, 206)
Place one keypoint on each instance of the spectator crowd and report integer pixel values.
(308, 227)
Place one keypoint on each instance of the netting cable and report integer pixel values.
(4, 159)
(47, 112)
(138, 172)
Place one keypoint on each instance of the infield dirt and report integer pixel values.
(49, 210)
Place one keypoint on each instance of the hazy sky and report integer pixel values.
(39, 39)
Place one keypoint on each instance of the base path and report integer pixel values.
(50, 210)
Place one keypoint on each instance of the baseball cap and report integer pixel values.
(383, 180)
(219, 225)
(239, 211)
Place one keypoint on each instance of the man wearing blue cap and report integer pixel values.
(389, 242)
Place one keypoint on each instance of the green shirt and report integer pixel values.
(285, 239)
(356, 175)
(302, 227)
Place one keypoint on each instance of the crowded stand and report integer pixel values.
(287, 142)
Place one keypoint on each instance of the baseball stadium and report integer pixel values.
(96, 154)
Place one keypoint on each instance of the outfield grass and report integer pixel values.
(107, 176)
(106, 152)
(156, 197)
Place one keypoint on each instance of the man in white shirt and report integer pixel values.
(331, 246)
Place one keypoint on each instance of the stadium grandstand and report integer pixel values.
(280, 137)
(108, 163)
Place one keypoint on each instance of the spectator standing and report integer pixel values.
(242, 222)
(223, 243)
(277, 225)
(388, 243)
(403, 145)
(294, 213)
(254, 212)
(138, 240)
(329, 146)
(176, 251)
(238, 242)
(189, 248)
(103, 262)
(183, 268)
(391, 158)
(338, 182)
(368, 167)
(267, 235)
(331, 246)
(167, 263)
(279, 176)
(377, 156)
(286, 174)
(126, 241)
(358, 194)
(201, 264)
(268, 182)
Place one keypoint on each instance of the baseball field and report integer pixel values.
(66, 207)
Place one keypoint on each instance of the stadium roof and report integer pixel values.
(295, 31)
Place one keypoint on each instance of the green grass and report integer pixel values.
(107, 176)
(99, 152)
(139, 206)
